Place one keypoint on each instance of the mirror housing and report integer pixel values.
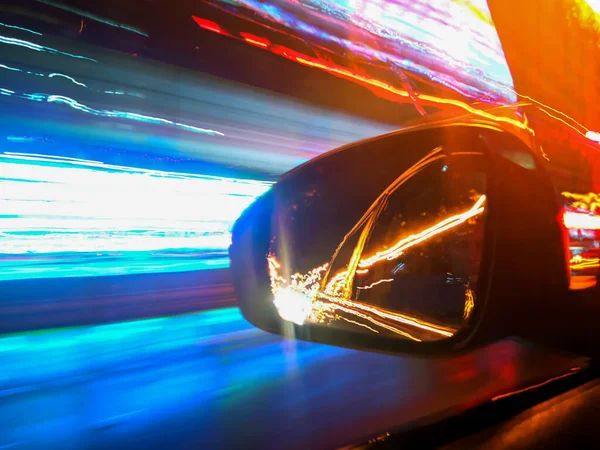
(523, 263)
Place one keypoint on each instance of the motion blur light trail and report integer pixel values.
(212, 380)
(36, 357)
(66, 208)
(62, 100)
(14, 27)
(124, 165)
(447, 43)
(586, 202)
(40, 48)
(582, 221)
(459, 34)
(379, 87)
(314, 297)
(213, 356)
(579, 262)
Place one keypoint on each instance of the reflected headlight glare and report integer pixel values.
(292, 306)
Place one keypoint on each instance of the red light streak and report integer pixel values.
(390, 92)
(378, 87)
(208, 25)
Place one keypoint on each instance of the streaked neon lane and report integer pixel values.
(34, 357)
(105, 161)
(67, 209)
(65, 265)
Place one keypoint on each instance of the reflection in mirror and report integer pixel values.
(408, 268)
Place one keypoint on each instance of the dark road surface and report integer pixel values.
(50, 303)
(211, 380)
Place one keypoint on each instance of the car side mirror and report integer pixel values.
(423, 241)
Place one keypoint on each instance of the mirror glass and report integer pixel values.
(399, 258)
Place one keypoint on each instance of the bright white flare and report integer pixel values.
(292, 306)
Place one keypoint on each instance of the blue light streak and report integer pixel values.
(42, 356)
(40, 48)
(185, 348)
(63, 386)
(126, 115)
(20, 28)
(51, 355)
(61, 212)
(104, 168)
(14, 69)
(68, 101)
(67, 77)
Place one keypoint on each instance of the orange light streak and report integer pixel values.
(372, 320)
(469, 304)
(397, 317)
(377, 283)
(566, 116)
(367, 220)
(357, 323)
(402, 94)
(256, 40)
(404, 244)
(307, 285)
(345, 73)
(582, 133)
(580, 262)
(582, 282)
(253, 42)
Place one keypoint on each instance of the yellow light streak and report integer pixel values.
(404, 244)
(376, 322)
(357, 323)
(588, 202)
(397, 317)
(336, 292)
(579, 262)
(376, 283)
(405, 94)
(469, 304)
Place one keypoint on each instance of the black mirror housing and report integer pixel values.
(522, 261)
